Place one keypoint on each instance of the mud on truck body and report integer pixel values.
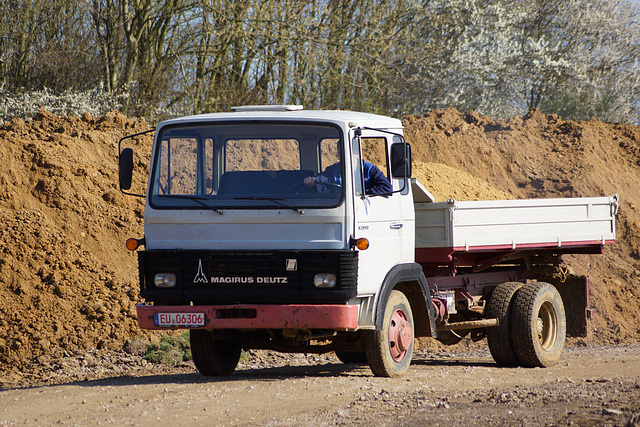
(241, 252)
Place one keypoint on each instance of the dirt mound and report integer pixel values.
(67, 282)
(544, 156)
(445, 182)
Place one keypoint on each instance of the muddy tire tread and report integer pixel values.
(499, 338)
(526, 307)
(213, 358)
(377, 350)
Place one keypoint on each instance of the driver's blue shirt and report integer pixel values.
(374, 180)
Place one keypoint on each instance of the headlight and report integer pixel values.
(324, 280)
(165, 280)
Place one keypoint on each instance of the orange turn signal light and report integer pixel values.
(133, 244)
(362, 243)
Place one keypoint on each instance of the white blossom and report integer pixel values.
(25, 105)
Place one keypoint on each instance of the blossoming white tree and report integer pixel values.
(578, 58)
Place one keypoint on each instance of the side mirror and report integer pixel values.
(401, 160)
(125, 168)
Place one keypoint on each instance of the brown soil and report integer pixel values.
(544, 156)
(68, 283)
(66, 279)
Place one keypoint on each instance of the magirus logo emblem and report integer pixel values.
(200, 276)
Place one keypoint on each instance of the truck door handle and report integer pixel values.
(395, 226)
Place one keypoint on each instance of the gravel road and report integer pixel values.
(590, 386)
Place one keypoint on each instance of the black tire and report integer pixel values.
(499, 338)
(355, 357)
(213, 357)
(390, 350)
(539, 325)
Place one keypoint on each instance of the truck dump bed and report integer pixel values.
(574, 225)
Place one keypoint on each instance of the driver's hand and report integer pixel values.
(310, 181)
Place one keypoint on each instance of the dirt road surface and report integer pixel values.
(590, 386)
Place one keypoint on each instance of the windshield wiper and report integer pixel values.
(198, 199)
(276, 200)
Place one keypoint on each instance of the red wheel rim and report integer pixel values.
(400, 335)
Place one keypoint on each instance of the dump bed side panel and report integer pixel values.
(516, 224)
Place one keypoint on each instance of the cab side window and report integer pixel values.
(374, 150)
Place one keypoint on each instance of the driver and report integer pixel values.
(374, 180)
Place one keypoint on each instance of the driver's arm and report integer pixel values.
(331, 175)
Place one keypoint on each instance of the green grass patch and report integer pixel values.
(170, 350)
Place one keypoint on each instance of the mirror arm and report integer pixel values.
(406, 178)
(120, 153)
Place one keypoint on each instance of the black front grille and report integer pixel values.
(247, 263)
(222, 277)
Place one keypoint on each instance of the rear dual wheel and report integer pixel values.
(389, 351)
(539, 325)
(531, 327)
(499, 338)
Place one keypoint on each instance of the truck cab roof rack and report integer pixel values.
(267, 108)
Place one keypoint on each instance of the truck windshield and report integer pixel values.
(242, 165)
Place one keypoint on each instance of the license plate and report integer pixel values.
(178, 319)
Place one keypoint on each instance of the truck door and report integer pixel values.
(377, 218)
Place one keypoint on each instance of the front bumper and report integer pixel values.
(258, 316)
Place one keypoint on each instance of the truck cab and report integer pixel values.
(235, 239)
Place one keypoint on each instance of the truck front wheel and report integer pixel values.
(213, 357)
(389, 350)
(539, 325)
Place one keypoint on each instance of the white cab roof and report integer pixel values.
(261, 112)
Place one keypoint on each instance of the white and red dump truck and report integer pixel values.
(241, 252)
